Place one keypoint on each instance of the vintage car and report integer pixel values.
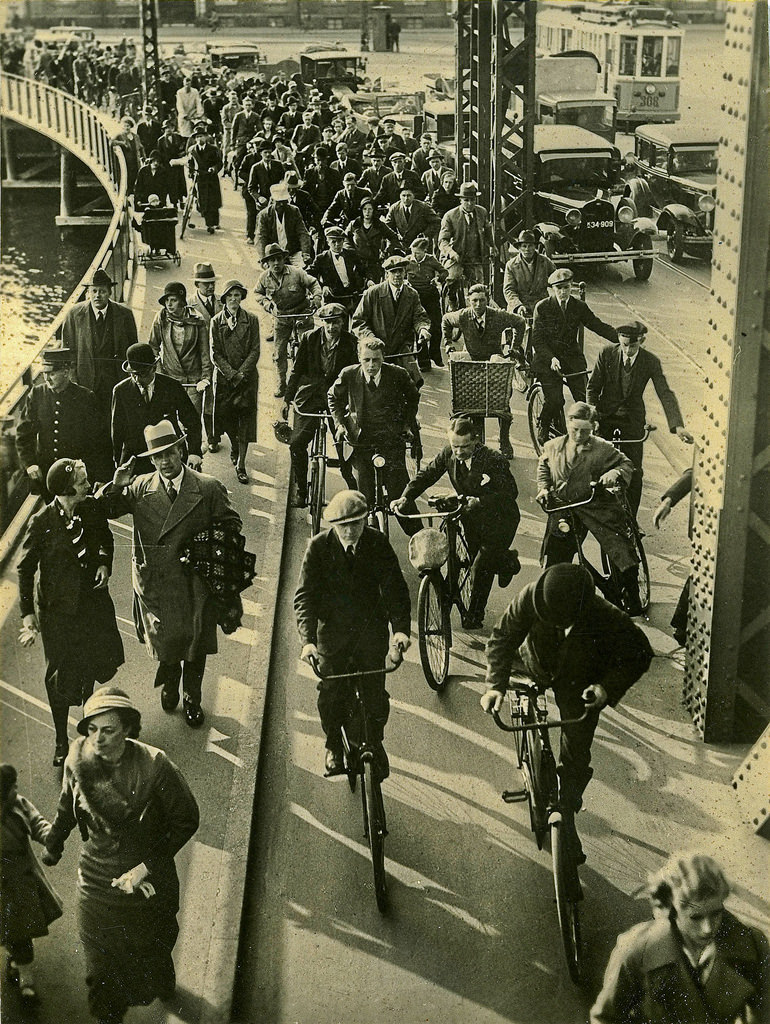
(236, 57)
(674, 175)
(404, 107)
(66, 34)
(580, 213)
(332, 68)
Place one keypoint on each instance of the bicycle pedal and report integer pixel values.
(514, 796)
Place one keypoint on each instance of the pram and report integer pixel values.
(158, 231)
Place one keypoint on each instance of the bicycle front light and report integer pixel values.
(564, 526)
(378, 461)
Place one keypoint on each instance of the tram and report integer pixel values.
(639, 47)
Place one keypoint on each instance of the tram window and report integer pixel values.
(652, 56)
(627, 63)
(673, 55)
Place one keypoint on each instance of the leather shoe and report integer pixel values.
(60, 754)
(506, 450)
(471, 621)
(193, 713)
(334, 763)
(512, 568)
(169, 699)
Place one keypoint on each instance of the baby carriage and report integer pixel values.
(158, 231)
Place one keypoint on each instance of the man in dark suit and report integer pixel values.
(421, 156)
(322, 356)
(558, 351)
(321, 181)
(410, 218)
(265, 173)
(616, 390)
(305, 138)
(373, 404)
(339, 271)
(351, 594)
(146, 397)
(98, 332)
(346, 205)
(392, 183)
(481, 329)
(300, 198)
(490, 515)
(345, 164)
(281, 217)
(466, 238)
(374, 175)
(431, 177)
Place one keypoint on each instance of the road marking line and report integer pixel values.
(34, 701)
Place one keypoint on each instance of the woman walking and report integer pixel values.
(234, 336)
(69, 545)
(135, 812)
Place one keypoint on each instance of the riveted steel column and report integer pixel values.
(727, 673)
(150, 68)
(462, 82)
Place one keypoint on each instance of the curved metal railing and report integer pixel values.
(89, 135)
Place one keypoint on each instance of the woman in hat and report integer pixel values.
(69, 545)
(180, 337)
(234, 338)
(128, 141)
(370, 238)
(135, 812)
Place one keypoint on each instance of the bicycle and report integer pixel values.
(439, 593)
(319, 462)
(358, 755)
(293, 342)
(609, 579)
(535, 406)
(535, 760)
(636, 533)
(379, 513)
(189, 205)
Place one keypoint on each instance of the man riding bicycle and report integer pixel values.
(560, 633)
(526, 276)
(290, 294)
(490, 515)
(351, 593)
(557, 348)
(465, 241)
(567, 468)
(322, 355)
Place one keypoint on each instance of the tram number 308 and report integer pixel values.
(648, 101)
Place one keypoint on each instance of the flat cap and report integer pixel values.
(560, 275)
(331, 311)
(346, 507)
(394, 262)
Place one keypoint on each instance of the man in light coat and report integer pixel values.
(466, 238)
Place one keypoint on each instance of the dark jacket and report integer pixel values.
(346, 399)
(131, 414)
(260, 179)
(207, 163)
(397, 327)
(456, 233)
(322, 189)
(338, 609)
(649, 981)
(99, 357)
(308, 365)
(482, 344)
(298, 239)
(555, 333)
(421, 220)
(57, 426)
(29, 903)
(345, 208)
(323, 269)
(390, 187)
(489, 479)
(604, 646)
(605, 390)
(159, 184)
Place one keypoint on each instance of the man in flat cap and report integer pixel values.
(410, 217)
(58, 420)
(322, 356)
(399, 176)
(339, 271)
(558, 350)
(98, 332)
(353, 609)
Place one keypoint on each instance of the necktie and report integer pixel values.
(210, 306)
(627, 364)
(172, 491)
(372, 384)
(479, 325)
(350, 555)
(145, 395)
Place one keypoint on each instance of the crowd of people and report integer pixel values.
(374, 260)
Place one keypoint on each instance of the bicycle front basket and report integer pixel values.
(428, 549)
(481, 388)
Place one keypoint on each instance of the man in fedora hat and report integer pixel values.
(281, 223)
(339, 271)
(526, 276)
(399, 176)
(174, 611)
(352, 606)
(205, 163)
(322, 355)
(431, 176)
(321, 181)
(146, 397)
(206, 304)
(98, 332)
(300, 198)
(466, 239)
(287, 293)
(57, 420)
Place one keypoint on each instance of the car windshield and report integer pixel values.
(567, 169)
(694, 160)
(593, 117)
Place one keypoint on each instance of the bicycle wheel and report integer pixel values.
(464, 563)
(535, 403)
(567, 886)
(375, 830)
(643, 571)
(187, 210)
(317, 494)
(432, 632)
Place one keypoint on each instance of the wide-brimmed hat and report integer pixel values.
(346, 507)
(468, 190)
(561, 275)
(231, 285)
(175, 288)
(101, 279)
(279, 192)
(561, 593)
(266, 146)
(376, 152)
(394, 262)
(58, 357)
(273, 249)
(108, 698)
(204, 272)
(331, 311)
(159, 437)
(140, 355)
(435, 155)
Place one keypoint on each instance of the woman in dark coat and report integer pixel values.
(205, 160)
(234, 337)
(135, 812)
(69, 543)
(369, 238)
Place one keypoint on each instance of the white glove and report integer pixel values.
(491, 701)
(202, 385)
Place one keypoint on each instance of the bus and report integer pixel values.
(639, 47)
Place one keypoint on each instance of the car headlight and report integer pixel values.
(573, 218)
(650, 89)
(625, 214)
(706, 204)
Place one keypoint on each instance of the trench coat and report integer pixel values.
(233, 352)
(174, 612)
(397, 327)
(28, 902)
(190, 362)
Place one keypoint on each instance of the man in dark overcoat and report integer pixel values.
(490, 516)
(174, 612)
(410, 218)
(389, 191)
(205, 162)
(99, 332)
(335, 263)
(282, 218)
(351, 594)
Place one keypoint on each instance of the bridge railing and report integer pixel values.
(89, 135)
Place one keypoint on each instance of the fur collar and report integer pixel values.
(109, 807)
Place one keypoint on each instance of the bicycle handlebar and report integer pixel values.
(648, 429)
(313, 662)
(310, 415)
(575, 504)
(555, 723)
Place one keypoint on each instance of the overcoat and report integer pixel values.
(525, 284)
(233, 352)
(455, 232)
(131, 414)
(398, 327)
(207, 162)
(188, 362)
(420, 220)
(28, 902)
(346, 399)
(94, 369)
(174, 613)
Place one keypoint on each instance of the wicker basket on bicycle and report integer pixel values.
(480, 388)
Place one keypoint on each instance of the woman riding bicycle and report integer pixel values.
(560, 633)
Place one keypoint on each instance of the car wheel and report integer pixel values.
(643, 264)
(674, 243)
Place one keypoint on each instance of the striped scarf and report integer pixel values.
(74, 528)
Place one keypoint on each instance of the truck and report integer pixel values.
(566, 86)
